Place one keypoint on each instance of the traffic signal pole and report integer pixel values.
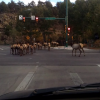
(53, 18)
(66, 20)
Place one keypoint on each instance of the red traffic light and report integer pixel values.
(24, 19)
(37, 19)
(68, 29)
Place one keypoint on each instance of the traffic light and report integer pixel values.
(24, 19)
(68, 29)
(65, 28)
(37, 19)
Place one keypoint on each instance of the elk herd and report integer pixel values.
(26, 48)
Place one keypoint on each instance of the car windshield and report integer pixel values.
(48, 43)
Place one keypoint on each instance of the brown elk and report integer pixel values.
(78, 46)
(49, 46)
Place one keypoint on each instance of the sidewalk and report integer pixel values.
(68, 48)
(63, 47)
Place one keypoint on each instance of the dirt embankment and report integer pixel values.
(7, 19)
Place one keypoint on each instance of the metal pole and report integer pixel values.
(66, 22)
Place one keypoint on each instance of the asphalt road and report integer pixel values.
(46, 69)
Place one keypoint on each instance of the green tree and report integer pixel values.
(13, 7)
(31, 4)
(3, 7)
(7, 30)
(13, 33)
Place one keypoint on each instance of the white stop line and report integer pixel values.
(1, 49)
(98, 65)
(76, 79)
(25, 82)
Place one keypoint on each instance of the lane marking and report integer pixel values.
(37, 62)
(35, 68)
(2, 54)
(69, 48)
(29, 83)
(25, 82)
(76, 79)
(1, 49)
(98, 65)
(31, 78)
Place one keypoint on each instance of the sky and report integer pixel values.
(36, 1)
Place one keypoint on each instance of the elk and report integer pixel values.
(45, 45)
(24, 48)
(27, 50)
(34, 45)
(54, 44)
(39, 46)
(12, 50)
(49, 46)
(31, 48)
(21, 50)
(78, 46)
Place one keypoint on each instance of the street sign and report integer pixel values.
(32, 17)
(50, 18)
(20, 17)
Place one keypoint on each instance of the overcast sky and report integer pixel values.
(36, 1)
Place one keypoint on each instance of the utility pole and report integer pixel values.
(66, 20)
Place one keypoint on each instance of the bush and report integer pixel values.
(97, 43)
(84, 45)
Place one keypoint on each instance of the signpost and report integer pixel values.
(32, 17)
(20, 17)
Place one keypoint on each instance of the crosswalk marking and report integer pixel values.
(25, 82)
(1, 49)
(98, 65)
(68, 48)
(29, 83)
(2, 54)
(76, 79)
